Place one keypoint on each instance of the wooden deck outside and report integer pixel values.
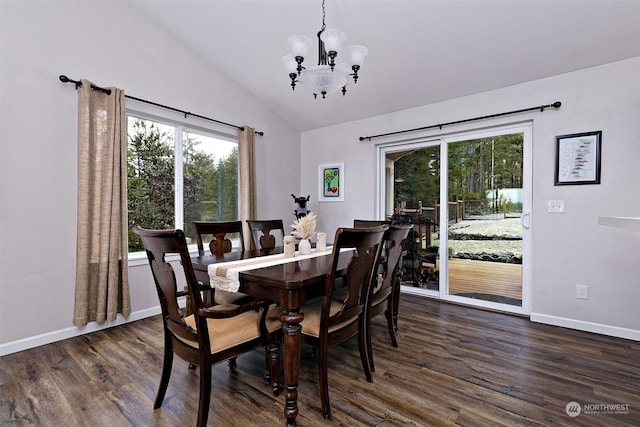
(484, 277)
(494, 278)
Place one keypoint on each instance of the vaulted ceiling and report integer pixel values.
(421, 51)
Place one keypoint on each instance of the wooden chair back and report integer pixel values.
(266, 234)
(365, 223)
(366, 244)
(394, 240)
(158, 244)
(385, 294)
(220, 242)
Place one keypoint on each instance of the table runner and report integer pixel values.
(224, 276)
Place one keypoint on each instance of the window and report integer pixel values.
(177, 175)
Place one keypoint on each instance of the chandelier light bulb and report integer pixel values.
(290, 64)
(333, 39)
(300, 45)
(355, 54)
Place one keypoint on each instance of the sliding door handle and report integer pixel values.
(525, 220)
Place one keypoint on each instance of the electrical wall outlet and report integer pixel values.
(556, 206)
(582, 292)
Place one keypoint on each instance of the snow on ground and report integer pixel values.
(508, 228)
(498, 247)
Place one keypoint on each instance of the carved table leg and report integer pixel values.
(291, 339)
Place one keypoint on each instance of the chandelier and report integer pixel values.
(328, 76)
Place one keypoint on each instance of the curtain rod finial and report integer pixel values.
(65, 79)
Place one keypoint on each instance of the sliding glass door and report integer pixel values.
(468, 197)
(412, 193)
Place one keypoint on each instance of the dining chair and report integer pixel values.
(365, 223)
(328, 321)
(266, 234)
(218, 230)
(209, 335)
(360, 223)
(220, 244)
(385, 289)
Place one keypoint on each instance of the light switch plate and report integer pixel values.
(556, 206)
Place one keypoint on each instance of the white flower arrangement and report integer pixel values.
(305, 227)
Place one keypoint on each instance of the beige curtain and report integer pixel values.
(102, 288)
(248, 189)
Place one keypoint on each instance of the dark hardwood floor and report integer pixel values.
(455, 366)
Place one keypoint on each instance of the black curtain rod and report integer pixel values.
(556, 104)
(66, 79)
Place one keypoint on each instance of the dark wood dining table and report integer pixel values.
(289, 284)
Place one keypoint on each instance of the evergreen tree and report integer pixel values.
(417, 176)
(150, 179)
(475, 167)
(209, 186)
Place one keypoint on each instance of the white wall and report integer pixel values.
(568, 249)
(112, 44)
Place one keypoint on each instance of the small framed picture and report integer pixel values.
(331, 182)
(578, 158)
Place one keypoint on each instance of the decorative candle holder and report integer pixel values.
(321, 241)
(289, 246)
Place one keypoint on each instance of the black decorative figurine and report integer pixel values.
(302, 205)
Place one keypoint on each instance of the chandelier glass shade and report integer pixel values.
(328, 76)
(320, 79)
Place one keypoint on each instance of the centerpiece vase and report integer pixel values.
(304, 247)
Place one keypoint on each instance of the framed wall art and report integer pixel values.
(578, 158)
(331, 179)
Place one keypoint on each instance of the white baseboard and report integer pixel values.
(580, 325)
(597, 328)
(74, 331)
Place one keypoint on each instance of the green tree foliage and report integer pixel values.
(150, 179)
(209, 186)
(478, 165)
(228, 187)
(417, 177)
(475, 166)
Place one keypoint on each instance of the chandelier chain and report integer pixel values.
(323, 16)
